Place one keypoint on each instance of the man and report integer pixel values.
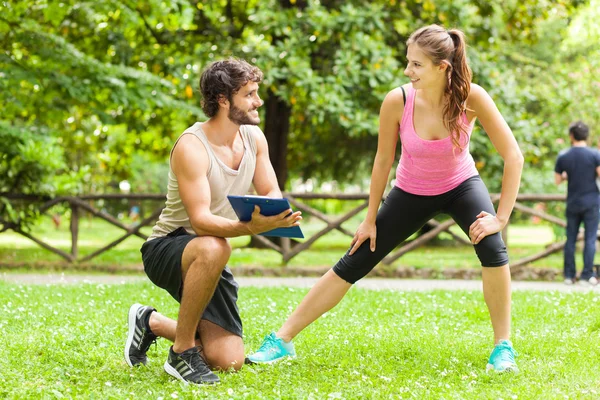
(187, 251)
(580, 165)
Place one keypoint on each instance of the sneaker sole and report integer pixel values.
(513, 369)
(131, 322)
(272, 361)
(173, 372)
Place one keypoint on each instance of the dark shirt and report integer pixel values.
(580, 165)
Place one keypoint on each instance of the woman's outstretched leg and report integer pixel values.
(322, 297)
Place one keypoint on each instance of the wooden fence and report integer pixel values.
(286, 247)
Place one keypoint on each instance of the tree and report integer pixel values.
(116, 79)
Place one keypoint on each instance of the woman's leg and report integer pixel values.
(465, 203)
(322, 297)
(497, 295)
(400, 216)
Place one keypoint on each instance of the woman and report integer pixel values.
(433, 116)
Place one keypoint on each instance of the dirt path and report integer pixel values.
(302, 282)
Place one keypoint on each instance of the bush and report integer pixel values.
(31, 163)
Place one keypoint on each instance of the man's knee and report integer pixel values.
(210, 249)
(232, 359)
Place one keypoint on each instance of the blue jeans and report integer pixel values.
(589, 217)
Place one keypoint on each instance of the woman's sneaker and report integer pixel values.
(139, 336)
(190, 367)
(502, 358)
(272, 349)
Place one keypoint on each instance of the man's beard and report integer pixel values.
(241, 117)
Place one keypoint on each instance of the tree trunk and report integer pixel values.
(277, 129)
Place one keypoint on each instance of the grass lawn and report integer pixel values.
(523, 240)
(66, 342)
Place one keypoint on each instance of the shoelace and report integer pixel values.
(194, 361)
(269, 345)
(507, 353)
(147, 340)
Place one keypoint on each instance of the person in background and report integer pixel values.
(580, 166)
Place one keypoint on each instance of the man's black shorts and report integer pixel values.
(162, 263)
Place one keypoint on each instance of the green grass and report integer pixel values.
(524, 240)
(66, 342)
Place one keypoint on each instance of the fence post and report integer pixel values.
(286, 247)
(74, 230)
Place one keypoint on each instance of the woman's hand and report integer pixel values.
(366, 230)
(486, 224)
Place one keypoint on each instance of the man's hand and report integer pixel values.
(260, 223)
(486, 224)
(365, 231)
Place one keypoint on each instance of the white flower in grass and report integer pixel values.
(174, 395)
(108, 384)
(230, 391)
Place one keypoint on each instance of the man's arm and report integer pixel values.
(560, 174)
(190, 165)
(265, 179)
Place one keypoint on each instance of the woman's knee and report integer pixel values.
(491, 251)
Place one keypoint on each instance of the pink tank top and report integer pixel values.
(431, 167)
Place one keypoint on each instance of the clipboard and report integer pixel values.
(244, 206)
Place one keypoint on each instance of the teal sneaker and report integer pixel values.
(272, 349)
(502, 358)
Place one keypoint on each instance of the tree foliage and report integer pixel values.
(101, 84)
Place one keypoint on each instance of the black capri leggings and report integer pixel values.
(402, 214)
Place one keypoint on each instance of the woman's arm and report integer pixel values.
(505, 143)
(390, 116)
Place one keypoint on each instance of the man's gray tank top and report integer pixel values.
(223, 181)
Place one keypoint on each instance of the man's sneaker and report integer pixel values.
(569, 281)
(139, 337)
(189, 367)
(502, 358)
(272, 349)
(593, 281)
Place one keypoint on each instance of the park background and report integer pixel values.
(94, 93)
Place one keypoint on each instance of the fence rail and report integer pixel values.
(285, 247)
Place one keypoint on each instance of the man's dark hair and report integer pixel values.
(579, 131)
(224, 79)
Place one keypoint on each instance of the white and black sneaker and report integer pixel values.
(139, 337)
(190, 367)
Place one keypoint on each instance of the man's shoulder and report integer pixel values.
(584, 151)
(563, 154)
(252, 129)
(255, 136)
